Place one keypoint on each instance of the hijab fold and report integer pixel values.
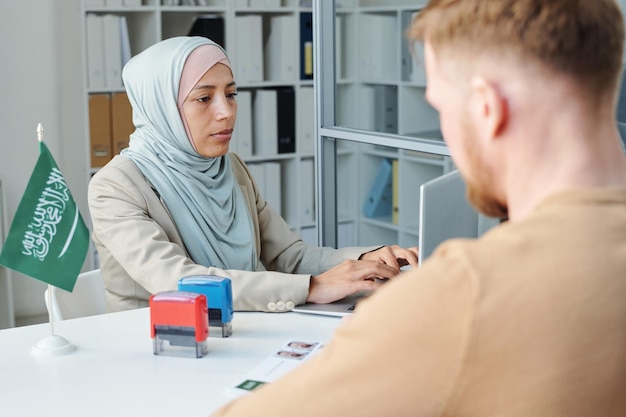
(200, 193)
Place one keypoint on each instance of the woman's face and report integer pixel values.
(210, 110)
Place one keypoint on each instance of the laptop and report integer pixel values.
(339, 308)
(444, 213)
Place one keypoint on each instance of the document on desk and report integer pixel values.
(286, 358)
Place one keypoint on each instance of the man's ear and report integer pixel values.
(492, 107)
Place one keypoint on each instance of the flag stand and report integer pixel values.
(47, 235)
(53, 344)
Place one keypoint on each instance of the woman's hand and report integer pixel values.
(394, 256)
(349, 277)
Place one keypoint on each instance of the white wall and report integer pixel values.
(41, 81)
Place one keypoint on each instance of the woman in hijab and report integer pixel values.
(175, 202)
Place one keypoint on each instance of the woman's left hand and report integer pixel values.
(394, 256)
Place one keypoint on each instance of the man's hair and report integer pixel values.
(583, 39)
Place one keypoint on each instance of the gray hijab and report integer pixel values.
(201, 193)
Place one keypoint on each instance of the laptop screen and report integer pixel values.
(444, 213)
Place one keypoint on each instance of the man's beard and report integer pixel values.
(480, 179)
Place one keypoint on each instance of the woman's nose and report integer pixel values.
(223, 108)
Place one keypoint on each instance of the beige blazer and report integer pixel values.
(142, 253)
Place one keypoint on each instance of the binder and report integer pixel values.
(385, 109)
(273, 187)
(242, 135)
(339, 39)
(258, 173)
(210, 26)
(100, 129)
(305, 138)
(281, 49)
(112, 51)
(121, 122)
(395, 191)
(248, 49)
(125, 40)
(286, 119)
(95, 51)
(378, 202)
(382, 38)
(264, 3)
(306, 45)
(368, 107)
(307, 191)
(418, 71)
(265, 122)
(378, 40)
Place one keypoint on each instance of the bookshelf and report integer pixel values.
(7, 314)
(372, 113)
(271, 60)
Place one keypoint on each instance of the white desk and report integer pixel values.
(113, 372)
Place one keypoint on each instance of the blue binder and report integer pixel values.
(378, 202)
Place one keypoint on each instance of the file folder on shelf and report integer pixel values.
(378, 202)
(241, 142)
(281, 49)
(265, 122)
(100, 129)
(112, 51)
(306, 132)
(286, 119)
(306, 45)
(121, 122)
(249, 49)
(95, 51)
(210, 26)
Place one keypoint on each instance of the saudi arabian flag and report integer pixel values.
(48, 239)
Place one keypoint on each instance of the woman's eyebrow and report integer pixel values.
(211, 86)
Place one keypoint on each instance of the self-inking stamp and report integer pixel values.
(219, 294)
(179, 324)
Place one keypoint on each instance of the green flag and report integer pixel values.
(48, 239)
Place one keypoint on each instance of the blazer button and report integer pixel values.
(271, 306)
(280, 306)
(289, 305)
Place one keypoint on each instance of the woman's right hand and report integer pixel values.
(348, 277)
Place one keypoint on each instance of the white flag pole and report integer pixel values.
(50, 310)
(52, 345)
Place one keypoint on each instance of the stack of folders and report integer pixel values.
(108, 50)
(185, 2)
(377, 32)
(268, 180)
(112, 3)
(274, 125)
(266, 123)
(110, 125)
(248, 60)
(379, 108)
(210, 26)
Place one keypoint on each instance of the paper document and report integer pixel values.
(286, 358)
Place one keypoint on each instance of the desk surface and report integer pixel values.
(114, 373)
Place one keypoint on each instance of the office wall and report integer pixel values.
(39, 78)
